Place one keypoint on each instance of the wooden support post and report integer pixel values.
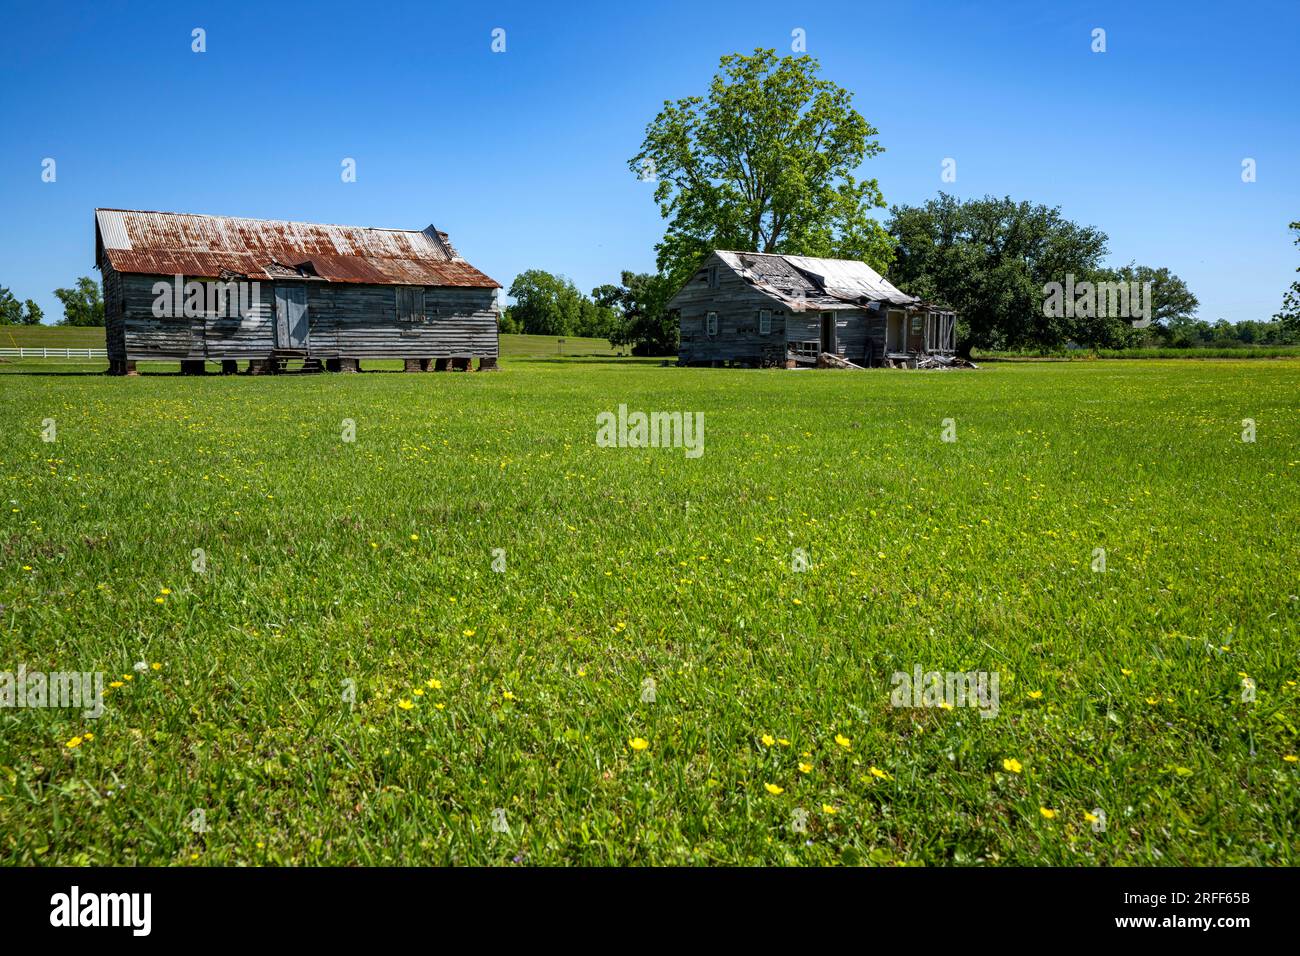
(415, 365)
(122, 367)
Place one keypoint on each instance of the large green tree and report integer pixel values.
(990, 259)
(1171, 302)
(765, 162)
(83, 305)
(641, 302)
(547, 304)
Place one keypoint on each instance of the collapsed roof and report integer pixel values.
(810, 284)
(168, 243)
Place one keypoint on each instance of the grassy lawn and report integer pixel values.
(348, 680)
(50, 336)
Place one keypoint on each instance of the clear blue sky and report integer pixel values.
(521, 156)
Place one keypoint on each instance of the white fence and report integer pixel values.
(81, 354)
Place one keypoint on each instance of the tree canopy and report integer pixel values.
(82, 305)
(13, 312)
(547, 304)
(642, 301)
(764, 162)
(993, 258)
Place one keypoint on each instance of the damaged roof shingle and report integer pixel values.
(808, 283)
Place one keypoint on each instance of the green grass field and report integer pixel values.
(349, 681)
(50, 336)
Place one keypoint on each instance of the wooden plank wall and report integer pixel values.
(737, 304)
(345, 320)
(352, 321)
(114, 330)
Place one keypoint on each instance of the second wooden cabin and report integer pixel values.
(767, 309)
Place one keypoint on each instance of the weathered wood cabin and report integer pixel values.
(196, 289)
(765, 309)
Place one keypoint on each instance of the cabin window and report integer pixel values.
(764, 321)
(916, 323)
(713, 277)
(410, 303)
(711, 323)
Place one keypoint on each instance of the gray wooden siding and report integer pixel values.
(344, 321)
(737, 304)
(738, 340)
(114, 331)
(362, 322)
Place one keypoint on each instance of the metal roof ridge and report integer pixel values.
(207, 215)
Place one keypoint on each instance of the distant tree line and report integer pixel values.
(83, 305)
(631, 314)
(992, 259)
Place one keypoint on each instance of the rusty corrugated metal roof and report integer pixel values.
(168, 243)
